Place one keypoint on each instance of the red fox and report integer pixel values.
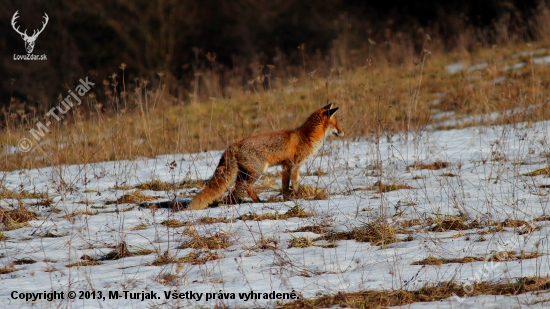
(245, 161)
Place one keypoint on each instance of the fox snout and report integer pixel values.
(336, 131)
(333, 127)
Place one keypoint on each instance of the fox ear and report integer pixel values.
(332, 111)
(328, 106)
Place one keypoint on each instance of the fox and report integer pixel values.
(245, 161)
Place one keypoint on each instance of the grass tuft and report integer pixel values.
(300, 242)
(430, 293)
(379, 186)
(378, 233)
(16, 218)
(174, 223)
(437, 165)
(136, 197)
(542, 171)
(84, 263)
(121, 251)
(294, 212)
(213, 242)
(156, 185)
(317, 229)
(448, 223)
(193, 258)
(7, 269)
(269, 243)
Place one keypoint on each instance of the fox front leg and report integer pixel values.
(295, 177)
(286, 182)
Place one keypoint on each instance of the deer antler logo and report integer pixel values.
(29, 40)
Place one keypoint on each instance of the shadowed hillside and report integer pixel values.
(174, 37)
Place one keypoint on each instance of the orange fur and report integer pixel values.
(245, 161)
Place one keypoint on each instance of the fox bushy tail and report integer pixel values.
(224, 176)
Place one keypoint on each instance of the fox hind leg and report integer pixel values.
(234, 196)
(252, 177)
(245, 181)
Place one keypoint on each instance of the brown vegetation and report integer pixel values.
(437, 165)
(378, 233)
(211, 242)
(295, 211)
(377, 299)
(15, 218)
(497, 257)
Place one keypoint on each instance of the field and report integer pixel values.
(437, 198)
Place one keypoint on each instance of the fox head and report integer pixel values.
(331, 127)
(322, 123)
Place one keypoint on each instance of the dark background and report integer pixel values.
(94, 37)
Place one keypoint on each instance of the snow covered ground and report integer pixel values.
(484, 184)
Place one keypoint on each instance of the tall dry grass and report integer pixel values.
(384, 88)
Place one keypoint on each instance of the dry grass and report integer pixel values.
(381, 299)
(317, 229)
(300, 242)
(159, 185)
(376, 96)
(542, 218)
(121, 251)
(174, 223)
(7, 269)
(80, 213)
(378, 233)
(193, 258)
(165, 258)
(449, 175)
(448, 223)
(497, 257)
(268, 243)
(136, 197)
(140, 227)
(212, 242)
(313, 193)
(318, 172)
(404, 224)
(168, 278)
(382, 187)
(192, 183)
(49, 234)
(211, 220)
(294, 212)
(437, 165)
(84, 263)
(520, 226)
(542, 171)
(512, 223)
(156, 185)
(199, 258)
(6, 193)
(24, 261)
(308, 193)
(16, 218)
